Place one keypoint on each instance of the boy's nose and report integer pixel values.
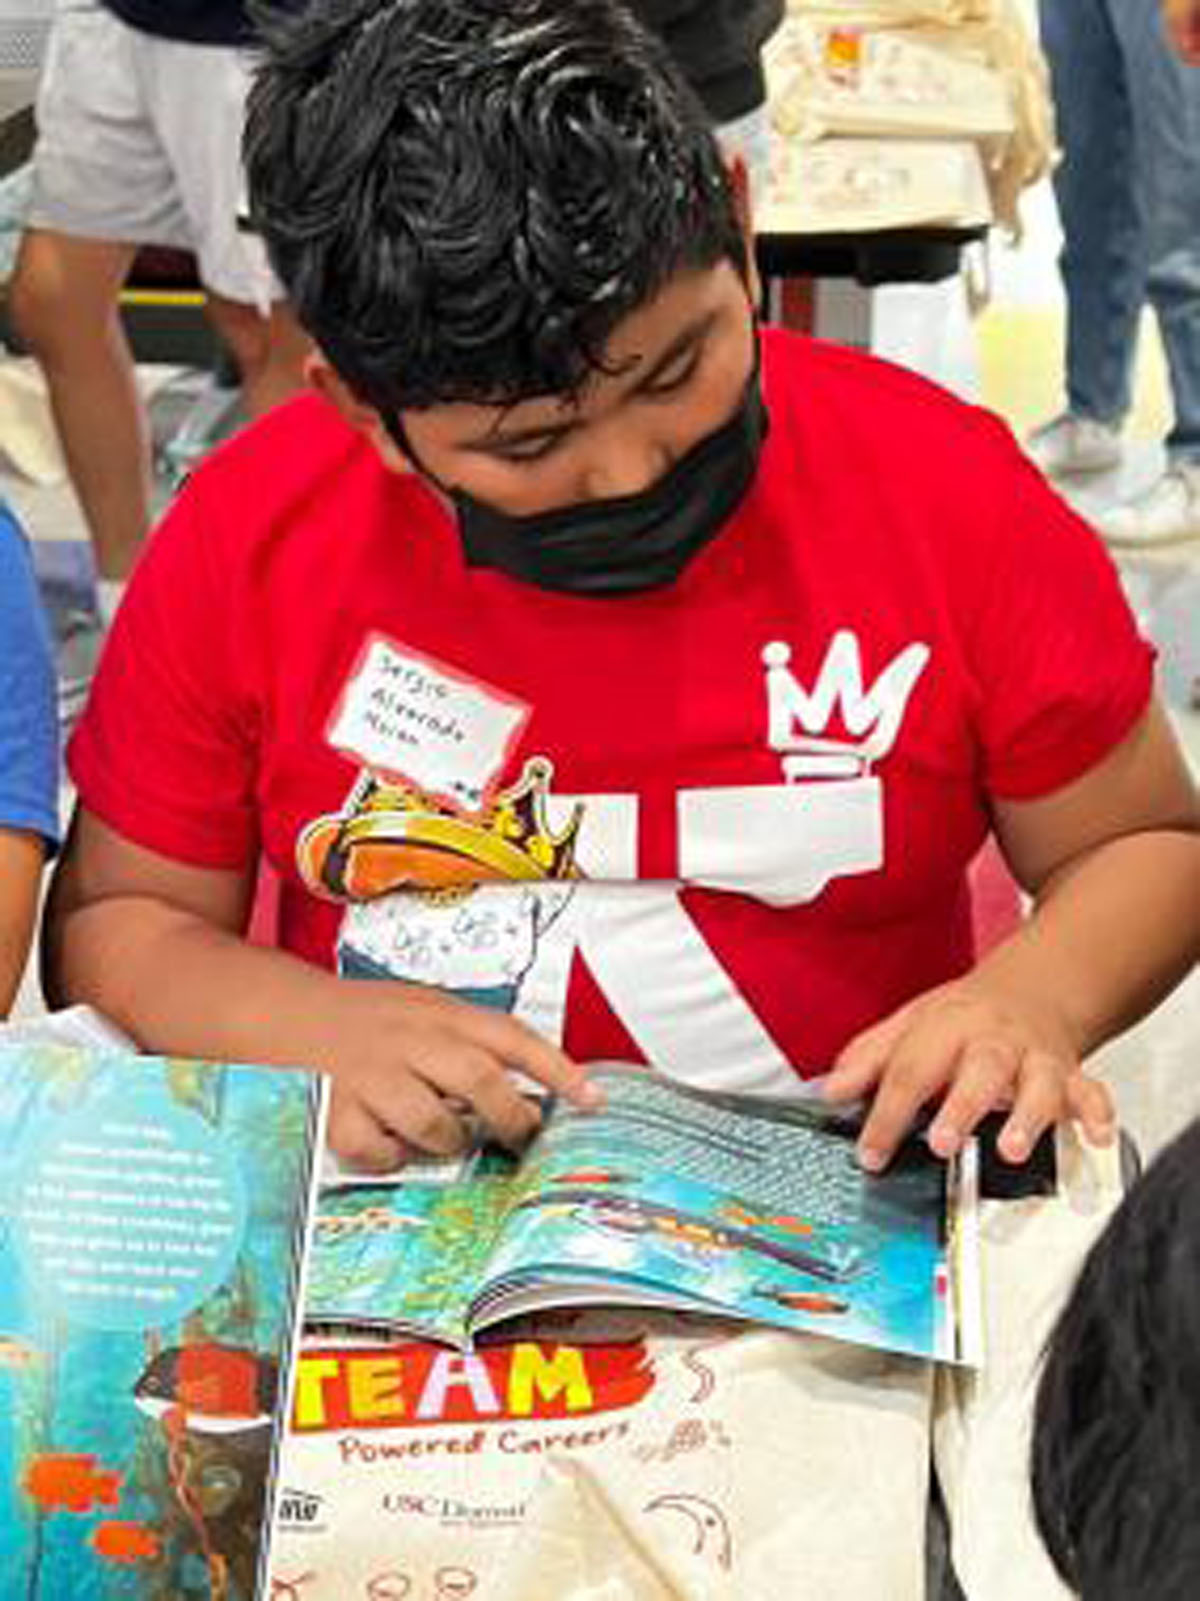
(627, 469)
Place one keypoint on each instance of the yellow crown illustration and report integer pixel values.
(395, 836)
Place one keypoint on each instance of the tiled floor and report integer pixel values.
(1009, 357)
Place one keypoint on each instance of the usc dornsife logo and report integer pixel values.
(417, 1385)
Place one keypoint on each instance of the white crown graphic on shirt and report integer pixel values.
(798, 718)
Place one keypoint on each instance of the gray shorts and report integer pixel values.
(139, 142)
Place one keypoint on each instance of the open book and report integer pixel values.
(672, 1197)
(154, 1217)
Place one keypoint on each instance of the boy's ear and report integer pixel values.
(739, 180)
(362, 418)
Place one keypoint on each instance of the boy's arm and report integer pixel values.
(22, 856)
(157, 946)
(1113, 864)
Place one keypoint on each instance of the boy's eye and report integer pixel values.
(537, 447)
(521, 450)
(674, 377)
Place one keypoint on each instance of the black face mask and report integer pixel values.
(630, 542)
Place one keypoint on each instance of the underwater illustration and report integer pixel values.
(667, 1196)
(152, 1218)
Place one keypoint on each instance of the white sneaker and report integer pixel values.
(1168, 513)
(1071, 445)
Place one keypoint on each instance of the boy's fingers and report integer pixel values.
(985, 1073)
(420, 1115)
(475, 1077)
(519, 1046)
(359, 1140)
(904, 1088)
(1090, 1102)
(852, 1078)
(860, 1064)
(1041, 1100)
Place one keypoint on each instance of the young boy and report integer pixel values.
(602, 676)
(28, 754)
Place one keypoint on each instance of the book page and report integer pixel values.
(408, 1255)
(754, 1208)
(153, 1216)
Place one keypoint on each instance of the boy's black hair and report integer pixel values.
(1116, 1435)
(463, 198)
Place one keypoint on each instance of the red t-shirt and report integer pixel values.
(721, 825)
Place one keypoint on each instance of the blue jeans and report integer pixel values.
(1128, 192)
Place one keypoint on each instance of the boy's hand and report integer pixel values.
(408, 1063)
(974, 1048)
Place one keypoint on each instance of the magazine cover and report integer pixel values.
(153, 1217)
(668, 1196)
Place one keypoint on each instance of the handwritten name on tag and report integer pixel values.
(415, 719)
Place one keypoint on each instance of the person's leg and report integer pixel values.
(197, 95)
(269, 350)
(63, 301)
(101, 186)
(1165, 98)
(1102, 262)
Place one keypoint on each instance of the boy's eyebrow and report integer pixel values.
(497, 436)
(690, 335)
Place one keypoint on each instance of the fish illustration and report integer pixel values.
(735, 1212)
(125, 1543)
(588, 1175)
(666, 1225)
(63, 1483)
(214, 1389)
(802, 1300)
(17, 1354)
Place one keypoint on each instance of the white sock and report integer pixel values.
(109, 593)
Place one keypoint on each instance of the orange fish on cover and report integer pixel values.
(16, 1354)
(125, 1543)
(62, 1483)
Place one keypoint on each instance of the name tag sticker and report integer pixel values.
(411, 718)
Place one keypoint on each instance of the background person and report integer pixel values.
(718, 46)
(139, 126)
(1128, 190)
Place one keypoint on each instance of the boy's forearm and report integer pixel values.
(407, 1061)
(177, 984)
(1109, 936)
